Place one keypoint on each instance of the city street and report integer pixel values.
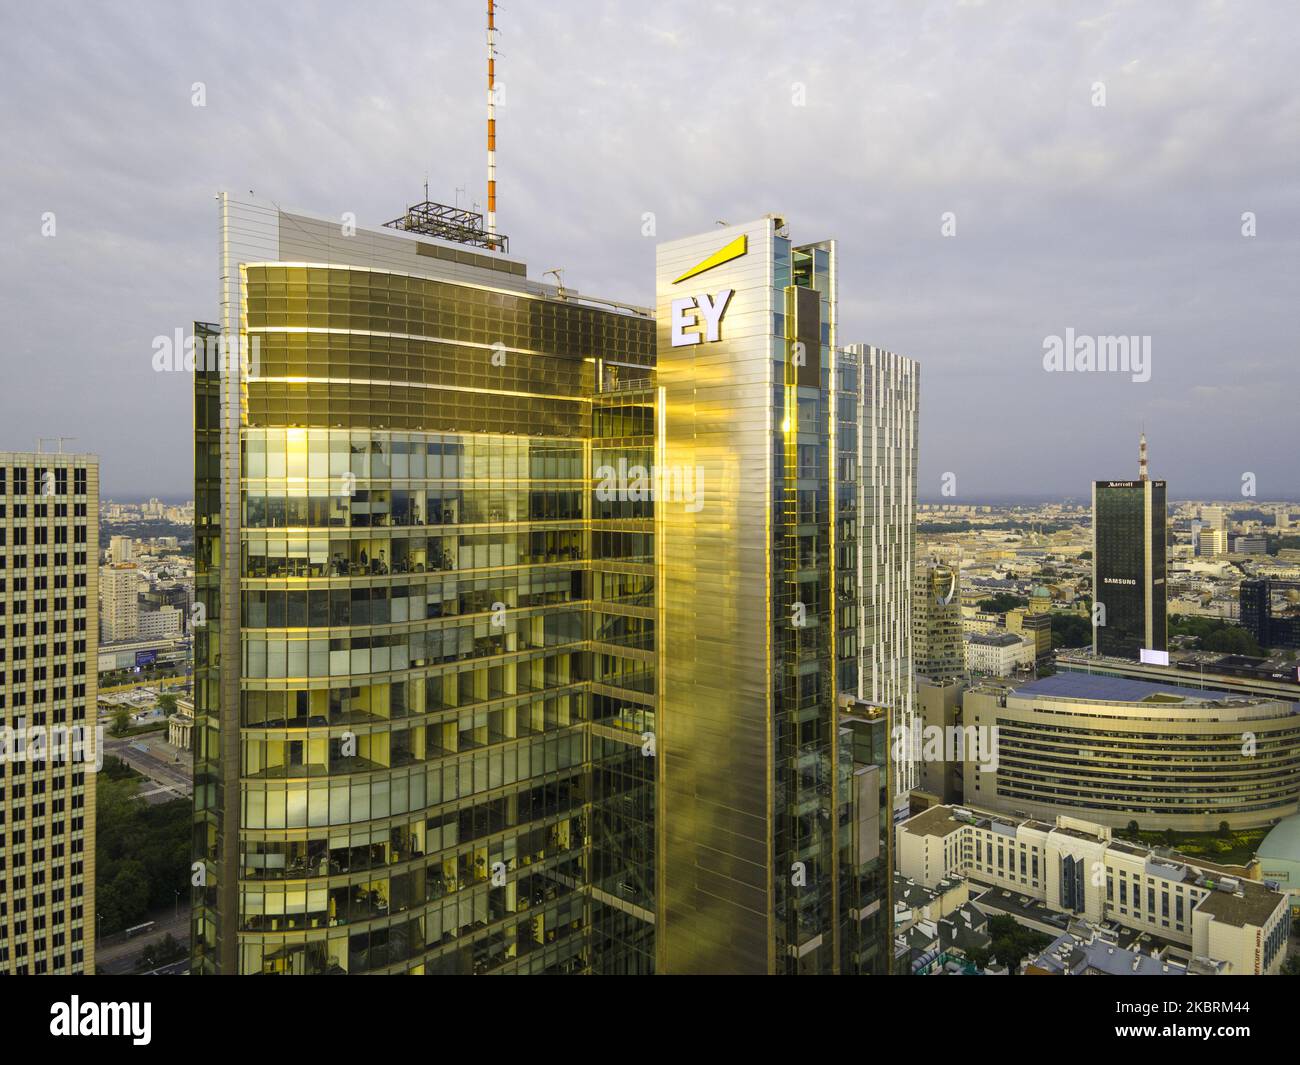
(167, 778)
(117, 955)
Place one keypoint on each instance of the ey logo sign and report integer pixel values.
(690, 312)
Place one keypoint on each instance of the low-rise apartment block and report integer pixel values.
(1078, 867)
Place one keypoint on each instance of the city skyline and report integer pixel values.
(697, 489)
(1066, 217)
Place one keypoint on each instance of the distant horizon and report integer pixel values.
(1005, 499)
(992, 500)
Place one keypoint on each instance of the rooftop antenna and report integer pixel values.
(453, 223)
(1142, 456)
(492, 119)
(560, 292)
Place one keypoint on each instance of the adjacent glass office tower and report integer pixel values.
(1129, 536)
(1269, 611)
(427, 660)
(773, 773)
(49, 746)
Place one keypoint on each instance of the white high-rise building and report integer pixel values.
(1212, 538)
(1211, 542)
(887, 401)
(998, 654)
(159, 624)
(119, 597)
(49, 555)
(121, 549)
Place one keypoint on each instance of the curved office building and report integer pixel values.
(1117, 750)
(427, 660)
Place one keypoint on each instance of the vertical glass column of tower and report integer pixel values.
(771, 852)
(623, 680)
(427, 662)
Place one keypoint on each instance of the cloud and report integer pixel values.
(1123, 219)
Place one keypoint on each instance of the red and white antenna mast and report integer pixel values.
(492, 119)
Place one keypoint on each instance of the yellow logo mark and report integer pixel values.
(734, 250)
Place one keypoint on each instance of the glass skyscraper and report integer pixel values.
(426, 661)
(1128, 550)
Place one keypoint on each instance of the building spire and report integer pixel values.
(1142, 456)
(492, 119)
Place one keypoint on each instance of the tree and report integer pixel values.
(125, 898)
(1215, 634)
(1001, 603)
(1234, 640)
(116, 769)
(1071, 630)
(163, 952)
(1225, 831)
(1171, 838)
(1281, 543)
(167, 703)
(1012, 942)
(1134, 830)
(142, 852)
(121, 721)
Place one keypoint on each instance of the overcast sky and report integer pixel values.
(1116, 219)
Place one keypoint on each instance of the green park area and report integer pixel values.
(1222, 847)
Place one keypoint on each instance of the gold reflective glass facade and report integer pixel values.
(772, 854)
(524, 625)
(429, 653)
